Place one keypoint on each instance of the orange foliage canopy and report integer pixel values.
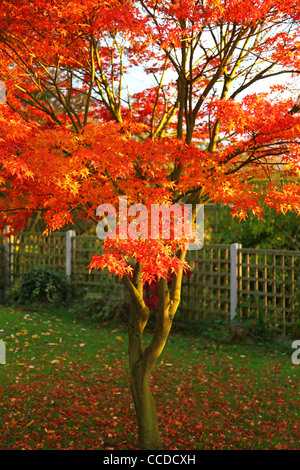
(217, 115)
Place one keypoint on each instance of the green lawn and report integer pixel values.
(65, 386)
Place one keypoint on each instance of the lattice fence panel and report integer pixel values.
(207, 291)
(269, 285)
(26, 250)
(83, 249)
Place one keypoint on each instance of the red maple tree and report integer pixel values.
(207, 128)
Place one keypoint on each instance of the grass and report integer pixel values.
(65, 386)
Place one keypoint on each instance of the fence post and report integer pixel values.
(69, 235)
(234, 270)
(6, 261)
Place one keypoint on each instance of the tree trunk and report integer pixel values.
(142, 361)
(140, 374)
(145, 409)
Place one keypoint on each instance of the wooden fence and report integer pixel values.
(60, 251)
(2, 271)
(230, 281)
(226, 280)
(207, 290)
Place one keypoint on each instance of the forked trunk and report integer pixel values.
(142, 361)
(140, 374)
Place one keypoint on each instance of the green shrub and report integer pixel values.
(109, 303)
(40, 285)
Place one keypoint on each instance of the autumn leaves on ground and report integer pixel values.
(65, 386)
